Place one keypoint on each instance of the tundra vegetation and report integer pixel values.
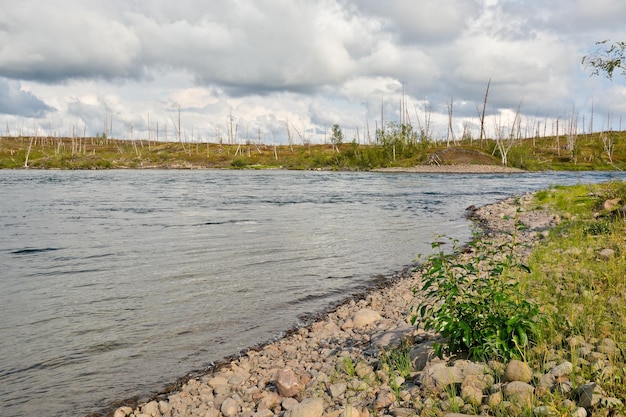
(565, 307)
(399, 145)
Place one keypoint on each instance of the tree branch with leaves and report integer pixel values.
(608, 57)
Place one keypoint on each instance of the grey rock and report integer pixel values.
(151, 409)
(439, 376)
(350, 411)
(563, 369)
(481, 382)
(123, 412)
(393, 337)
(564, 387)
(384, 400)
(289, 403)
(611, 402)
(264, 413)
(337, 390)
(229, 407)
(310, 407)
(608, 347)
(545, 411)
(287, 383)
(606, 254)
(472, 395)
(547, 381)
(473, 368)
(495, 399)
(579, 412)
(457, 415)
(347, 325)
(362, 369)
(221, 390)
(238, 378)
(211, 412)
(357, 385)
(365, 317)
(590, 395)
(422, 355)
(269, 401)
(453, 403)
(218, 380)
(519, 392)
(517, 371)
(611, 205)
(402, 412)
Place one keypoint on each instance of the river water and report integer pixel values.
(115, 283)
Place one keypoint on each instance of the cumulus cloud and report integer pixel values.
(15, 101)
(44, 42)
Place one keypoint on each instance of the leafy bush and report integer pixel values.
(599, 227)
(240, 162)
(475, 304)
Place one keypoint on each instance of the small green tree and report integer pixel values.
(608, 57)
(337, 135)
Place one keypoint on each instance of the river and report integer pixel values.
(115, 283)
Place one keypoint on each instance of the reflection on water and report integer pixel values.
(116, 283)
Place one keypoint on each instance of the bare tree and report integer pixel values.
(30, 145)
(289, 138)
(425, 128)
(572, 134)
(608, 145)
(482, 135)
(450, 134)
(505, 142)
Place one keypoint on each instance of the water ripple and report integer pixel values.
(116, 283)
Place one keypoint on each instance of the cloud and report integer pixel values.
(44, 42)
(426, 21)
(17, 102)
(310, 62)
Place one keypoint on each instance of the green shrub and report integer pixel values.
(241, 162)
(475, 304)
(598, 227)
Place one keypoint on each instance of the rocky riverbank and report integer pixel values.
(333, 368)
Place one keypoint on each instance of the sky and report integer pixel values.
(276, 71)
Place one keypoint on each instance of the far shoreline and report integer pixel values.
(454, 169)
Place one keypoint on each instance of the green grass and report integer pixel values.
(582, 291)
(575, 281)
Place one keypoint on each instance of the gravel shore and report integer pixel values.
(332, 368)
(455, 169)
